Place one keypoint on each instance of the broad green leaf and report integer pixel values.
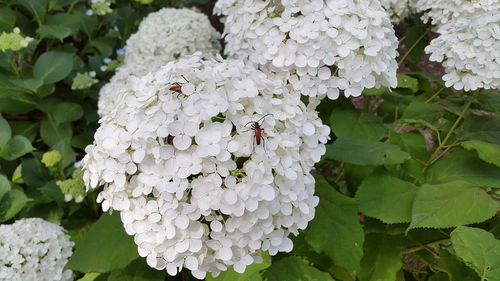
(36, 7)
(17, 103)
(294, 269)
(16, 147)
(105, 247)
(356, 125)
(89, 277)
(418, 110)
(34, 173)
(439, 276)
(407, 82)
(7, 19)
(53, 66)
(456, 270)
(137, 270)
(30, 85)
(382, 259)
(451, 204)
(29, 129)
(484, 128)
(466, 166)
(489, 100)
(365, 152)
(12, 203)
(415, 39)
(412, 142)
(479, 250)
(336, 230)
(5, 132)
(4, 185)
(252, 272)
(53, 31)
(488, 152)
(65, 20)
(386, 198)
(53, 133)
(67, 112)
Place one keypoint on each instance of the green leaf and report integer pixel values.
(489, 100)
(336, 230)
(67, 112)
(7, 19)
(53, 31)
(418, 110)
(89, 277)
(252, 272)
(137, 270)
(294, 269)
(466, 166)
(451, 204)
(488, 152)
(65, 20)
(456, 270)
(16, 147)
(407, 82)
(382, 259)
(68, 155)
(105, 247)
(4, 185)
(386, 198)
(356, 125)
(5, 132)
(412, 142)
(365, 152)
(34, 173)
(11, 204)
(30, 85)
(53, 66)
(484, 128)
(53, 133)
(36, 7)
(479, 250)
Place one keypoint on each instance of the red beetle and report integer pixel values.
(256, 127)
(177, 87)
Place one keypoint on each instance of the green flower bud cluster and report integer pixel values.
(51, 158)
(13, 41)
(73, 188)
(84, 80)
(101, 7)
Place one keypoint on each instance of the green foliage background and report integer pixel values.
(409, 186)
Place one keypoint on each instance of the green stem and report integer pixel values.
(424, 247)
(412, 47)
(460, 117)
(435, 94)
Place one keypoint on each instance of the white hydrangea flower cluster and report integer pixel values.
(34, 249)
(399, 9)
(193, 182)
(321, 47)
(443, 11)
(163, 36)
(470, 52)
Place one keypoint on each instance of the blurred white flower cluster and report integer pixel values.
(468, 44)
(182, 159)
(34, 249)
(321, 47)
(399, 9)
(440, 12)
(470, 52)
(163, 36)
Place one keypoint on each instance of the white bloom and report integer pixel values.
(194, 185)
(163, 36)
(442, 11)
(322, 48)
(399, 9)
(470, 52)
(34, 249)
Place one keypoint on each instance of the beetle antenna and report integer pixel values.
(262, 118)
